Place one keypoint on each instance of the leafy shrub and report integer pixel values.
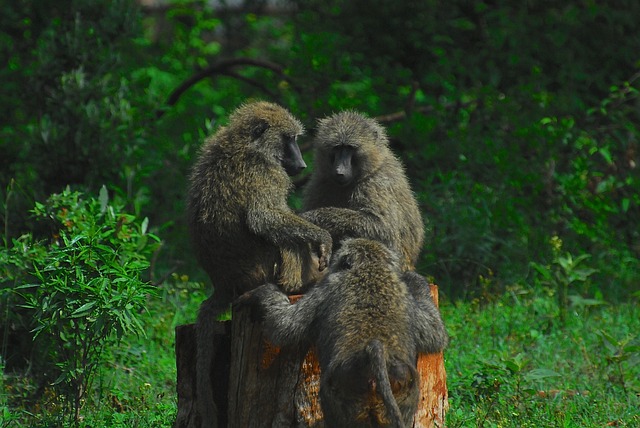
(74, 123)
(566, 274)
(496, 125)
(82, 290)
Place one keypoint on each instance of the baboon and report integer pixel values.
(243, 232)
(359, 189)
(368, 320)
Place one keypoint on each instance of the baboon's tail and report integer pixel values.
(375, 351)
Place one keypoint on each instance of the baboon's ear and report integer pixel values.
(345, 262)
(258, 128)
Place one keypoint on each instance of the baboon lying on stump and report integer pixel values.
(368, 320)
(359, 189)
(243, 231)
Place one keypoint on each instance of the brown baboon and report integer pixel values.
(368, 320)
(359, 189)
(243, 231)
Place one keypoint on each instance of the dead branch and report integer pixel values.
(226, 67)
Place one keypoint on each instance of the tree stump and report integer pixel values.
(271, 387)
(186, 351)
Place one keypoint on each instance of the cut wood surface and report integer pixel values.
(434, 396)
(271, 387)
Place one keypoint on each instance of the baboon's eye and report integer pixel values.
(258, 129)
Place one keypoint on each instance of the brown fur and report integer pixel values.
(244, 233)
(377, 203)
(368, 320)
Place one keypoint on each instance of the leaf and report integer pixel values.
(543, 271)
(104, 199)
(83, 310)
(581, 258)
(25, 286)
(512, 366)
(60, 379)
(577, 300)
(538, 374)
(625, 204)
(142, 242)
(608, 341)
(145, 225)
(604, 152)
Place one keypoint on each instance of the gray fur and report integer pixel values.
(375, 200)
(243, 232)
(363, 308)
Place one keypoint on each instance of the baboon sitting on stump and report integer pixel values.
(243, 231)
(359, 189)
(368, 320)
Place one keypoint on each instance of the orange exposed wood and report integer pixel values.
(434, 398)
(309, 391)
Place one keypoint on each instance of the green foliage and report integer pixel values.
(518, 127)
(620, 354)
(508, 139)
(511, 364)
(76, 109)
(83, 290)
(565, 273)
(135, 381)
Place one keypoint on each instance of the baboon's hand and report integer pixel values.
(323, 257)
(252, 299)
(324, 252)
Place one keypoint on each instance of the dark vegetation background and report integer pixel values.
(518, 123)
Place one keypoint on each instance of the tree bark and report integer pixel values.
(186, 351)
(272, 387)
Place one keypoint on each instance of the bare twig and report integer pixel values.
(226, 67)
(401, 115)
(250, 82)
(170, 272)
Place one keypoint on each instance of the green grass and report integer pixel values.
(510, 364)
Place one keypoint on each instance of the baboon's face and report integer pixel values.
(348, 144)
(343, 164)
(272, 131)
(280, 144)
(291, 160)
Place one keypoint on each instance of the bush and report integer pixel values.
(81, 290)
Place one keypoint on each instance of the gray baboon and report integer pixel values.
(359, 189)
(243, 232)
(368, 320)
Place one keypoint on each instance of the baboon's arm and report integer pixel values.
(429, 331)
(284, 323)
(284, 228)
(418, 285)
(347, 223)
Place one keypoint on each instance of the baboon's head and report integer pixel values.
(349, 146)
(357, 253)
(270, 130)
